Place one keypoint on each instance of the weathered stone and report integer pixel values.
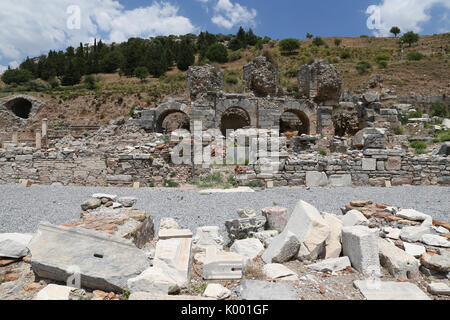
(261, 77)
(389, 290)
(445, 149)
(279, 272)
(414, 234)
(438, 288)
(353, 218)
(54, 292)
(216, 291)
(100, 196)
(91, 204)
(331, 265)
(201, 79)
(310, 229)
(399, 263)
(340, 180)
(360, 244)
(207, 236)
(141, 296)
(14, 245)
(320, 81)
(241, 228)
(277, 218)
(250, 248)
(174, 233)
(333, 246)
(246, 213)
(414, 249)
(435, 240)
(266, 236)
(316, 179)
(127, 202)
(414, 215)
(153, 280)
(369, 164)
(103, 261)
(168, 223)
(438, 262)
(393, 164)
(221, 265)
(360, 203)
(263, 290)
(173, 257)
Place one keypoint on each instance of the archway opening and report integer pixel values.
(172, 120)
(234, 118)
(20, 107)
(294, 122)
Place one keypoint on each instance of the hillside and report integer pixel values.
(118, 95)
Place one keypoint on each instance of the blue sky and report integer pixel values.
(32, 27)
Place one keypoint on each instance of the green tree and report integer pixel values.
(363, 67)
(141, 73)
(252, 39)
(289, 45)
(217, 53)
(17, 76)
(185, 56)
(72, 74)
(410, 38)
(309, 35)
(112, 61)
(337, 42)
(395, 31)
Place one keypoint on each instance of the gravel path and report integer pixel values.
(21, 209)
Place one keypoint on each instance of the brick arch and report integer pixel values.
(248, 105)
(234, 118)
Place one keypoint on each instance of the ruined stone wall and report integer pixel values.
(372, 167)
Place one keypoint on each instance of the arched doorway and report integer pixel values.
(295, 122)
(234, 118)
(20, 107)
(172, 120)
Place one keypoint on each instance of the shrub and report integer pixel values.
(415, 56)
(382, 57)
(439, 110)
(53, 82)
(337, 42)
(399, 130)
(363, 67)
(91, 83)
(382, 64)
(232, 80)
(289, 45)
(141, 72)
(418, 145)
(318, 41)
(217, 53)
(235, 55)
(17, 76)
(323, 153)
(345, 54)
(291, 73)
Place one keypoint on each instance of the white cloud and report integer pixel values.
(228, 15)
(29, 27)
(408, 15)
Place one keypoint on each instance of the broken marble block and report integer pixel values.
(94, 259)
(360, 244)
(14, 245)
(399, 263)
(220, 265)
(277, 218)
(279, 272)
(331, 265)
(173, 257)
(242, 228)
(207, 236)
(311, 230)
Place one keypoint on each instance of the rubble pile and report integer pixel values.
(403, 253)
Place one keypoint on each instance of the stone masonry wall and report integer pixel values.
(370, 167)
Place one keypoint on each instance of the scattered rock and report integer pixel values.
(250, 248)
(266, 236)
(246, 213)
(14, 245)
(277, 218)
(435, 240)
(207, 236)
(127, 202)
(353, 218)
(216, 291)
(153, 280)
(360, 244)
(263, 290)
(242, 228)
(279, 272)
(168, 223)
(333, 246)
(282, 249)
(438, 288)
(331, 265)
(438, 262)
(389, 290)
(399, 263)
(54, 292)
(414, 249)
(91, 204)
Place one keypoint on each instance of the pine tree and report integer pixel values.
(185, 57)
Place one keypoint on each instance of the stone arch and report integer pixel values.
(163, 111)
(294, 120)
(237, 101)
(21, 106)
(234, 118)
(301, 115)
(172, 120)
